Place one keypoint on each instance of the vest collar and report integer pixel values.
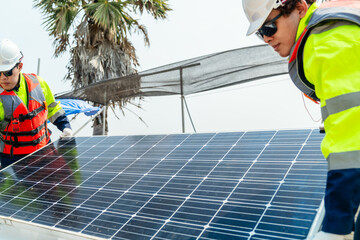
(305, 20)
(21, 83)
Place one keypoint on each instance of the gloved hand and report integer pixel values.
(66, 133)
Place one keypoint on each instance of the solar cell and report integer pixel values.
(245, 185)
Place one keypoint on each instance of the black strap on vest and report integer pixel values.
(16, 143)
(29, 133)
(32, 114)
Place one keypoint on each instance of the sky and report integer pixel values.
(192, 29)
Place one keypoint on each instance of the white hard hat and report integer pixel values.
(257, 11)
(10, 55)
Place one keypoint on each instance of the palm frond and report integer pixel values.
(114, 19)
(157, 8)
(59, 17)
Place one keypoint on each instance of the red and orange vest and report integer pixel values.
(24, 128)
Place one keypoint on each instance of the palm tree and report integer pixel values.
(99, 46)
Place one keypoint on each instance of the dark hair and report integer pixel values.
(290, 5)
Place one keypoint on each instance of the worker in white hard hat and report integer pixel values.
(323, 46)
(26, 103)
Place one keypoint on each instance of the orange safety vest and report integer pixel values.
(342, 11)
(24, 129)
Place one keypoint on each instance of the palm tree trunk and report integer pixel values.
(98, 124)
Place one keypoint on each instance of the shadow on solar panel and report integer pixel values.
(244, 185)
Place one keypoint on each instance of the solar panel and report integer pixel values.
(242, 185)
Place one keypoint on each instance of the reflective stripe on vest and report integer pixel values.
(343, 160)
(326, 12)
(26, 130)
(340, 103)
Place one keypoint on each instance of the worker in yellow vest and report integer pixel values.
(26, 103)
(323, 46)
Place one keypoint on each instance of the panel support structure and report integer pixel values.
(182, 98)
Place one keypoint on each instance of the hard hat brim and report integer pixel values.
(4, 68)
(254, 26)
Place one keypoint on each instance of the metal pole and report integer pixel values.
(182, 100)
(104, 114)
(187, 109)
(86, 123)
(104, 122)
(38, 67)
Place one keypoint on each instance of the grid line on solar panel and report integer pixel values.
(150, 219)
(210, 199)
(22, 167)
(41, 194)
(257, 189)
(178, 231)
(273, 197)
(248, 221)
(116, 200)
(200, 184)
(269, 202)
(164, 185)
(225, 139)
(283, 229)
(109, 180)
(228, 197)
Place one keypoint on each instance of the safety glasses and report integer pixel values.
(269, 28)
(10, 72)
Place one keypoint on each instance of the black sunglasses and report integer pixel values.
(10, 72)
(269, 28)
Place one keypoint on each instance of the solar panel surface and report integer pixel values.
(245, 185)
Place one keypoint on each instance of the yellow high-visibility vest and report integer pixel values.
(331, 63)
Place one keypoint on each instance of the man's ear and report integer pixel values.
(302, 7)
(20, 66)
